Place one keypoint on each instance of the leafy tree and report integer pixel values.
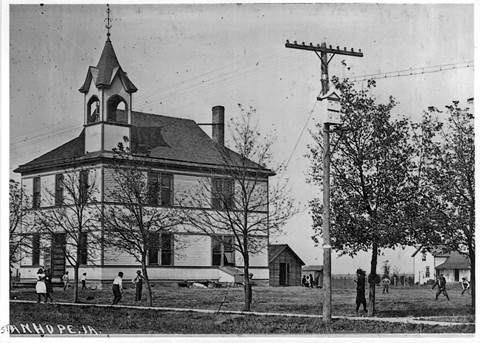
(71, 211)
(374, 177)
(241, 203)
(448, 183)
(134, 221)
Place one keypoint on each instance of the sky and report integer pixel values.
(185, 59)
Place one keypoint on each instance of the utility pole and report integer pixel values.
(327, 248)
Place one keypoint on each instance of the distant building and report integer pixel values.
(285, 267)
(317, 272)
(428, 262)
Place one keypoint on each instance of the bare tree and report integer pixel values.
(240, 202)
(140, 213)
(73, 213)
(19, 242)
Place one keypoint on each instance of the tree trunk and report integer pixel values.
(247, 286)
(75, 283)
(471, 253)
(147, 283)
(371, 280)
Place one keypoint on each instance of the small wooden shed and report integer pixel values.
(285, 266)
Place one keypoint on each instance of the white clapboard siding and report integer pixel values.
(259, 259)
(187, 190)
(116, 257)
(192, 250)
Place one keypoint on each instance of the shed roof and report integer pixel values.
(312, 268)
(455, 261)
(274, 250)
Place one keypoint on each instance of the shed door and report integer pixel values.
(284, 271)
(457, 275)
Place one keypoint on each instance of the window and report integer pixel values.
(216, 252)
(427, 271)
(83, 186)
(159, 187)
(153, 240)
(82, 246)
(167, 249)
(167, 190)
(59, 190)
(223, 253)
(424, 256)
(35, 249)
(222, 193)
(152, 188)
(36, 192)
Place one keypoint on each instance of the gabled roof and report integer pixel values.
(107, 68)
(158, 137)
(312, 268)
(274, 250)
(455, 261)
(437, 251)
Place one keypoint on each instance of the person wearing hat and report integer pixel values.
(360, 281)
(138, 281)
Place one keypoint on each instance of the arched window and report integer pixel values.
(93, 110)
(117, 109)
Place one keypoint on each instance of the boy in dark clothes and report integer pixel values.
(48, 285)
(360, 300)
(442, 287)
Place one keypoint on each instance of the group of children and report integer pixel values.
(44, 288)
(309, 281)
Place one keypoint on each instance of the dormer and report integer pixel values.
(107, 103)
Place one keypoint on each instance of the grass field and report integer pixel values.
(402, 302)
(127, 321)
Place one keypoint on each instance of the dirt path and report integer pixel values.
(404, 320)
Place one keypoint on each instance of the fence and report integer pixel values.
(346, 281)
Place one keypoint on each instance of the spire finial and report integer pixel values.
(108, 20)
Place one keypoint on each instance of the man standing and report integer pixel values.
(138, 281)
(117, 288)
(465, 285)
(441, 283)
(360, 280)
(385, 284)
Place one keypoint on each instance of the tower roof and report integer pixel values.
(105, 71)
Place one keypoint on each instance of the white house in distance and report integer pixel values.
(180, 154)
(428, 262)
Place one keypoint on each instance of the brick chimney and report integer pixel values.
(218, 127)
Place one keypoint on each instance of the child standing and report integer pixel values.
(117, 288)
(138, 281)
(84, 281)
(66, 280)
(40, 286)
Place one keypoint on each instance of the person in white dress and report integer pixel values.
(41, 287)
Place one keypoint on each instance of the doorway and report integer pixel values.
(457, 275)
(58, 255)
(284, 274)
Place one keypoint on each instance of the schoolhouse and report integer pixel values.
(180, 153)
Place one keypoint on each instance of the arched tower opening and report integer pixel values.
(93, 110)
(117, 109)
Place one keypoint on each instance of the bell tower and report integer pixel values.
(107, 100)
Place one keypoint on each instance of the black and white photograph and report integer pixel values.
(238, 170)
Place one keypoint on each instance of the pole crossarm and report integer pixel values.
(324, 49)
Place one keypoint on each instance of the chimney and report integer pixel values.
(218, 124)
